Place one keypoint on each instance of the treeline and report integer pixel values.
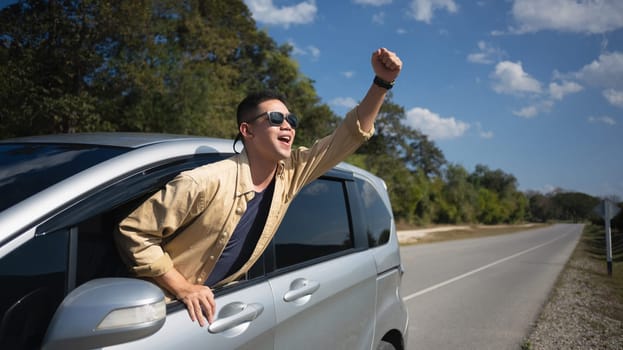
(182, 66)
(571, 206)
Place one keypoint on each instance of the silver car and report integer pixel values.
(330, 278)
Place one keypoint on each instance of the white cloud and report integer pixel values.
(372, 2)
(347, 102)
(435, 126)
(313, 51)
(531, 111)
(484, 134)
(606, 71)
(603, 119)
(498, 32)
(378, 18)
(558, 91)
(527, 112)
(348, 74)
(423, 10)
(486, 54)
(549, 188)
(615, 97)
(479, 57)
(309, 50)
(584, 16)
(401, 31)
(510, 78)
(265, 11)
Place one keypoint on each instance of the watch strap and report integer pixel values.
(383, 83)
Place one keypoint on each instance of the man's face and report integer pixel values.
(271, 142)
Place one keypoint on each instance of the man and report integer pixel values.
(209, 225)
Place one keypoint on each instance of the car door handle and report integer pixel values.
(236, 314)
(300, 288)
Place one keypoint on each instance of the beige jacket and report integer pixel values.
(189, 222)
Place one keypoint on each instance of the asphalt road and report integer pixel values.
(482, 293)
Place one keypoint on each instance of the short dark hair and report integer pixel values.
(252, 100)
(250, 103)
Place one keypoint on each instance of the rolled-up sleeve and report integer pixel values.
(351, 123)
(140, 236)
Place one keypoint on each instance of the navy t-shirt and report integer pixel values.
(245, 236)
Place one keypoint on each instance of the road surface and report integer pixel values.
(482, 293)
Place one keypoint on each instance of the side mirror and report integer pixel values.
(105, 312)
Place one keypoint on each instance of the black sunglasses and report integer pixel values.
(276, 119)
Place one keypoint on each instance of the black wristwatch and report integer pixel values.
(383, 83)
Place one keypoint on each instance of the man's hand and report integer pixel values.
(386, 64)
(199, 299)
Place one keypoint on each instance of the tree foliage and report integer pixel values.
(151, 66)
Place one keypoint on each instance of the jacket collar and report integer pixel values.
(244, 184)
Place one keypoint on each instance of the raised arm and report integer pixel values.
(386, 65)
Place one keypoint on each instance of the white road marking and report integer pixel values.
(467, 274)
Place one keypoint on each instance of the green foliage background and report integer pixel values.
(182, 67)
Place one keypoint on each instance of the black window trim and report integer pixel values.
(360, 213)
(357, 215)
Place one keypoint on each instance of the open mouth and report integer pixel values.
(285, 139)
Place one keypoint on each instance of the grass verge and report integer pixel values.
(593, 247)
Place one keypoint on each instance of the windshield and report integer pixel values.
(28, 168)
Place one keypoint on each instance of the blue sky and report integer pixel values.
(531, 87)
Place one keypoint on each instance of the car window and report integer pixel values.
(96, 218)
(317, 224)
(33, 280)
(26, 168)
(97, 254)
(377, 216)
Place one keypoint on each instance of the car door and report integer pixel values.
(324, 286)
(245, 311)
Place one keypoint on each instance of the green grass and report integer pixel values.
(595, 239)
(593, 245)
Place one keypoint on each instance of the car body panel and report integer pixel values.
(338, 315)
(391, 312)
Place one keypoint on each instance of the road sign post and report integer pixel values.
(608, 210)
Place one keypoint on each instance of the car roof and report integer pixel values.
(121, 139)
(160, 142)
